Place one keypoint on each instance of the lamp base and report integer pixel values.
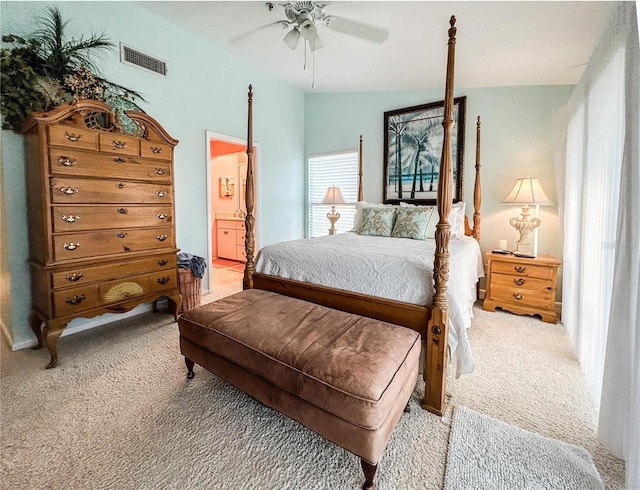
(333, 217)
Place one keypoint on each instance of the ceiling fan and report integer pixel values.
(303, 19)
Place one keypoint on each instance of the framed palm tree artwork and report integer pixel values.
(413, 139)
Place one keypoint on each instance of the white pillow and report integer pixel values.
(456, 219)
(360, 205)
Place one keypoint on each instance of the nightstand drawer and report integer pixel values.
(524, 270)
(533, 284)
(523, 297)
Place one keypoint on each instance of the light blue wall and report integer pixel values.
(206, 89)
(516, 142)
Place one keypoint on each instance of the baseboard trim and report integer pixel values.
(92, 323)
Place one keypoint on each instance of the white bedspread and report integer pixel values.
(395, 268)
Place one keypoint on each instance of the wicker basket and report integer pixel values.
(189, 286)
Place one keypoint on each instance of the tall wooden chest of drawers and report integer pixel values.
(522, 285)
(101, 216)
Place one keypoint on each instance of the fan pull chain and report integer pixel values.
(313, 69)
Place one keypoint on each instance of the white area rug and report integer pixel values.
(485, 453)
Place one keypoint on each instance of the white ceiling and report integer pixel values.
(498, 43)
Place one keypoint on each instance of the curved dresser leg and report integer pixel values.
(369, 472)
(175, 301)
(51, 336)
(36, 321)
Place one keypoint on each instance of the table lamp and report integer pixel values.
(333, 197)
(526, 191)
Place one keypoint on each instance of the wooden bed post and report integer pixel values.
(249, 239)
(360, 190)
(477, 191)
(438, 327)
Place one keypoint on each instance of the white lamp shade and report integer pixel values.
(292, 38)
(333, 196)
(527, 191)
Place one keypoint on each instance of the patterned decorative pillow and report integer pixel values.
(412, 222)
(456, 218)
(377, 221)
(360, 205)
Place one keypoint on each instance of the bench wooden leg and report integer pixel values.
(190, 364)
(369, 472)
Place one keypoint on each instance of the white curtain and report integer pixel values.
(601, 213)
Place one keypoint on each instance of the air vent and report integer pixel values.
(131, 56)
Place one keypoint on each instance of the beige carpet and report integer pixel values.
(119, 414)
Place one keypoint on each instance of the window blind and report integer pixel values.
(335, 169)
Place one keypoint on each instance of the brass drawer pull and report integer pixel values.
(73, 136)
(71, 218)
(121, 185)
(68, 190)
(119, 160)
(66, 161)
(163, 262)
(119, 144)
(76, 300)
(225, 232)
(71, 246)
(164, 280)
(162, 238)
(122, 210)
(160, 171)
(156, 149)
(75, 277)
(161, 193)
(518, 296)
(519, 281)
(162, 216)
(520, 269)
(122, 235)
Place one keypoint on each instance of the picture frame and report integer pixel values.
(413, 139)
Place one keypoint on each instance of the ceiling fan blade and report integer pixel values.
(354, 28)
(244, 35)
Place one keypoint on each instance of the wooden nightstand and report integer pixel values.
(522, 286)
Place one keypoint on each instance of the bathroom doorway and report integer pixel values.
(226, 210)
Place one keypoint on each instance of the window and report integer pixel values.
(339, 170)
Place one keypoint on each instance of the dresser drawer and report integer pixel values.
(159, 281)
(64, 161)
(163, 264)
(89, 244)
(73, 137)
(523, 270)
(74, 300)
(82, 217)
(119, 144)
(151, 149)
(89, 191)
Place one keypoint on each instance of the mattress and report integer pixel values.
(400, 269)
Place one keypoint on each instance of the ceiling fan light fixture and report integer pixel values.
(315, 43)
(308, 30)
(292, 38)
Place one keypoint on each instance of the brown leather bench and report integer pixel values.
(344, 376)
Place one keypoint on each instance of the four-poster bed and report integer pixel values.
(431, 320)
